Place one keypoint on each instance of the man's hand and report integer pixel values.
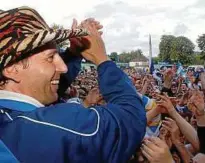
(73, 91)
(146, 84)
(76, 44)
(94, 45)
(199, 158)
(93, 97)
(172, 127)
(196, 103)
(168, 77)
(156, 151)
(160, 109)
(166, 103)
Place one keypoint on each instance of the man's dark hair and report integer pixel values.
(4, 79)
(25, 63)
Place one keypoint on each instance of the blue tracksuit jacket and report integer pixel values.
(68, 132)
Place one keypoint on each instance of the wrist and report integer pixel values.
(173, 113)
(199, 113)
(100, 60)
(200, 120)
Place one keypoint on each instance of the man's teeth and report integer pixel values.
(55, 82)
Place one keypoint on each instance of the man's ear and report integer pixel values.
(12, 72)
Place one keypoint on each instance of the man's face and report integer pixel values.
(183, 87)
(174, 88)
(190, 73)
(40, 79)
(174, 68)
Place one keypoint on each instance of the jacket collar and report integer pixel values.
(17, 101)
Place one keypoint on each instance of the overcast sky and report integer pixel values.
(127, 23)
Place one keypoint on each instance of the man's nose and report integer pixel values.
(60, 65)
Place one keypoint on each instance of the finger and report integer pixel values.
(157, 141)
(168, 123)
(96, 22)
(166, 127)
(195, 104)
(90, 26)
(197, 98)
(161, 106)
(160, 102)
(89, 20)
(161, 96)
(165, 94)
(147, 150)
(86, 21)
(146, 155)
(172, 98)
(150, 145)
(98, 26)
(94, 30)
(169, 119)
(74, 24)
(86, 25)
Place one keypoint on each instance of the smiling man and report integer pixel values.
(30, 74)
(37, 77)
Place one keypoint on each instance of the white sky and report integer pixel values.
(127, 23)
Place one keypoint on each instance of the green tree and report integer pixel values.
(201, 45)
(60, 27)
(126, 57)
(166, 47)
(182, 50)
(156, 60)
(176, 49)
(114, 56)
(197, 60)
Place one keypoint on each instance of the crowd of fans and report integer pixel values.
(175, 112)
